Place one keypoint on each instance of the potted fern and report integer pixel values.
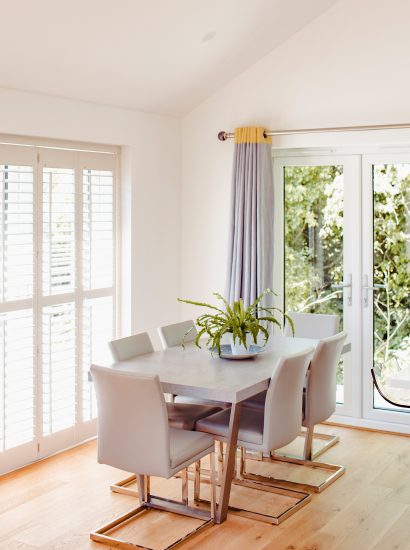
(242, 324)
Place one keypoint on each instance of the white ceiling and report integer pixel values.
(141, 54)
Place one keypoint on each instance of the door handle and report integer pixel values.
(366, 287)
(344, 285)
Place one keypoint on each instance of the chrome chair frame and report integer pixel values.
(153, 502)
(335, 472)
(257, 483)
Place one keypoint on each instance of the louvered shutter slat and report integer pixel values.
(16, 379)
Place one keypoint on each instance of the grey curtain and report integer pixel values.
(250, 252)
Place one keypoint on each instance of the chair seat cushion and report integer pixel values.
(250, 425)
(185, 444)
(184, 416)
(256, 402)
(192, 400)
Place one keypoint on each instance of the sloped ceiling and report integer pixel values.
(163, 56)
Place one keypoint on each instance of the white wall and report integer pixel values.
(348, 67)
(151, 186)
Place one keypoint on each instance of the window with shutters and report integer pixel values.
(57, 295)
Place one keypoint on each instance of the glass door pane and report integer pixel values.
(313, 229)
(317, 251)
(391, 283)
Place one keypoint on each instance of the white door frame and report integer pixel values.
(351, 259)
(369, 411)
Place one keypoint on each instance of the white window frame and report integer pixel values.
(39, 153)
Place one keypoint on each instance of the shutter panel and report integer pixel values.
(58, 367)
(97, 229)
(58, 230)
(98, 327)
(16, 286)
(16, 379)
(16, 232)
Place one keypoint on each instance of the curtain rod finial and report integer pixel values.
(222, 136)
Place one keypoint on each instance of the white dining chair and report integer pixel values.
(306, 325)
(319, 403)
(173, 335)
(180, 415)
(130, 346)
(277, 425)
(177, 333)
(134, 435)
(312, 325)
(320, 395)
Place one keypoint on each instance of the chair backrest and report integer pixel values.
(312, 325)
(171, 335)
(283, 405)
(131, 346)
(320, 399)
(133, 433)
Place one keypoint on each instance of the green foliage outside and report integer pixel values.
(314, 240)
(392, 269)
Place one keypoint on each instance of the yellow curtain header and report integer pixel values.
(251, 135)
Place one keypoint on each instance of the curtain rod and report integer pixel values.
(223, 136)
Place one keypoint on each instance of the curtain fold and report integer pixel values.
(250, 252)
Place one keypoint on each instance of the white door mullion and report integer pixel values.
(117, 297)
(78, 294)
(279, 235)
(56, 299)
(352, 308)
(367, 271)
(97, 293)
(38, 259)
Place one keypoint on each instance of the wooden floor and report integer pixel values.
(55, 503)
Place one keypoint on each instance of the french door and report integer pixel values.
(342, 230)
(57, 295)
(386, 285)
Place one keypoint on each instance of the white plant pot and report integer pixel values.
(237, 347)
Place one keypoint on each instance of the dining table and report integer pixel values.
(196, 372)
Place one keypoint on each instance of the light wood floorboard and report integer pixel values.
(54, 504)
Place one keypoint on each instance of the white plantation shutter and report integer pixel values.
(97, 331)
(16, 232)
(97, 228)
(17, 347)
(98, 254)
(57, 295)
(16, 379)
(58, 230)
(58, 367)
